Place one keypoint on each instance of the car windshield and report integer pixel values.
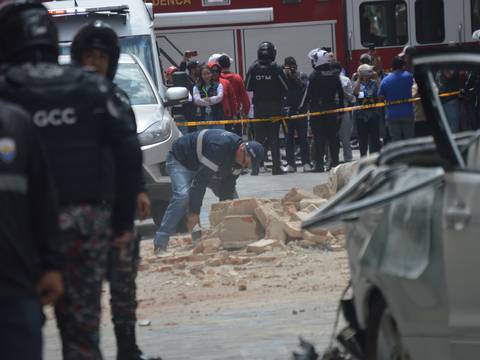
(132, 80)
(140, 46)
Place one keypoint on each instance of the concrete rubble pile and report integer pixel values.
(259, 224)
(250, 231)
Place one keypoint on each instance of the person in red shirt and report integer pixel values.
(240, 93)
(229, 101)
(169, 74)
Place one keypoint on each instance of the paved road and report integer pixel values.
(264, 330)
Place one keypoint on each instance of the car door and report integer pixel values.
(461, 242)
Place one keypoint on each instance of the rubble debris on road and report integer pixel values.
(250, 232)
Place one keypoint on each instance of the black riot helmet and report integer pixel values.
(97, 35)
(27, 33)
(266, 52)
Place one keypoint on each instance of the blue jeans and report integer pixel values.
(21, 329)
(401, 128)
(181, 179)
(452, 111)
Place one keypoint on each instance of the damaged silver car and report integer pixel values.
(412, 218)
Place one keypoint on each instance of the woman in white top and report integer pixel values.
(208, 96)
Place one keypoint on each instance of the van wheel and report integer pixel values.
(383, 338)
(158, 210)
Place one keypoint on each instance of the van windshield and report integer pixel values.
(140, 46)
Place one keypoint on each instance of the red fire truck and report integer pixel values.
(348, 27)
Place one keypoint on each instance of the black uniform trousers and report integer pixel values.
(266, 133)
(122, 274)
(325, 131)
(368, 129)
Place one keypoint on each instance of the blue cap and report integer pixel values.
(256, 152)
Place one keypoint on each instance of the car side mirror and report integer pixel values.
(176, 96)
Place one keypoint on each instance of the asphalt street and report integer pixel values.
(242, 320)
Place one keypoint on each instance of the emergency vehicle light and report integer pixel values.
(105, 10)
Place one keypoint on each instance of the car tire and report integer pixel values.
(158, 209)
(383, 340)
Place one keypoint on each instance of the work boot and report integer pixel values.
(127, 348)
(279, 171)
(291, 169)
(137, 355)
(160, 244)
(307, 168)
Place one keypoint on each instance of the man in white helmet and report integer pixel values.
(325, 92)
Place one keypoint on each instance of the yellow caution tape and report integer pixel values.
(302, 116)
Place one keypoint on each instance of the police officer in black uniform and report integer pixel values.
(268, 82)
(96, 47)
(78, 116)
(325, 92)
(30, 260)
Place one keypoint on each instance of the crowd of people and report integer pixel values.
(219, 94)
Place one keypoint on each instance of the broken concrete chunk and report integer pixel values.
(325, 190)
(336, 247)
(290, 208)
(310, 209)
(317, 202)
(295, 195)
(293, 229)
(344, 172)
(216, 217)
(208, 246)
(198, 257)
(300, 216)
(242, 286)
(243, 206)
(264, 212)
(261, 246)
(318, 239)
(219, 211)
(275, 229)
(221, 206)
(318, 231)
(237, 260)
(306, 244)
(238, 231)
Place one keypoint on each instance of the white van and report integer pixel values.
(133, 22)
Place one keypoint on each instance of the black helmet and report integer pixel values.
(266, 51)
(26, 28)
(97, 35)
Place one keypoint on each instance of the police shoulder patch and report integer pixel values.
(8, 149)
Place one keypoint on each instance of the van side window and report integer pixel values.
(376, 25)
(475, 11)
(429, 21)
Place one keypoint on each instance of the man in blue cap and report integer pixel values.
(193, 161)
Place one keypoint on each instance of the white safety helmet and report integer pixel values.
(476, 35)
(214, 58)
(319, 57)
